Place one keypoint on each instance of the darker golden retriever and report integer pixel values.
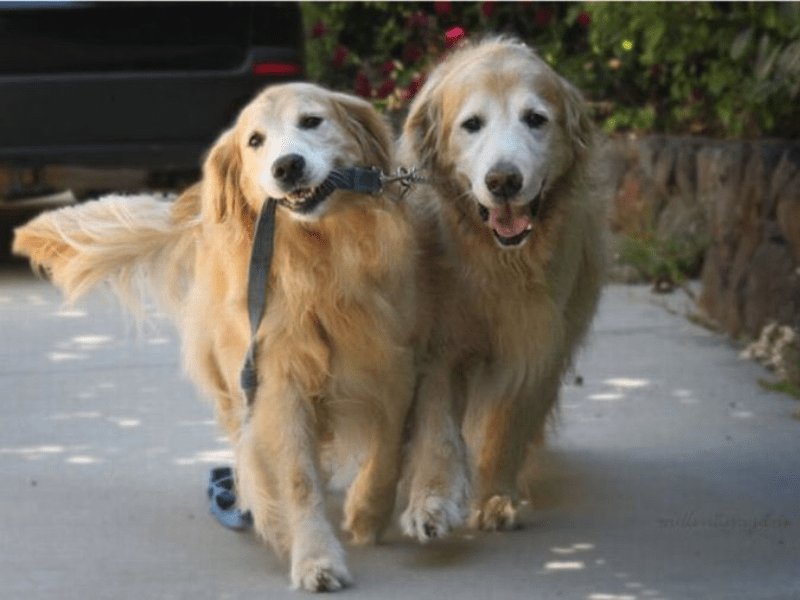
(509, 148)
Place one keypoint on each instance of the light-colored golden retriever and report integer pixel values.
(336, 347)
(508, 146)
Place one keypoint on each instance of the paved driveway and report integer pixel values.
(672, 475)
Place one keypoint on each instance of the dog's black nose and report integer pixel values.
(504, 180)
(288, 169)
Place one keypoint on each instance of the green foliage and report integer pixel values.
(730, 69)
(671, 260)
(721, 68)
(782, 387)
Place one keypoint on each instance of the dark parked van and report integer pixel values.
(145, 84)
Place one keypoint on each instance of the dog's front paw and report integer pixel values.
(320, 574)
(430, 517)
(498, 513)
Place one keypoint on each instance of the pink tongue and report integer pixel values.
(505, 223)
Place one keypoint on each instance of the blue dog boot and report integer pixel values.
(223, 499)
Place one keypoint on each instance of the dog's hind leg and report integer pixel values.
(280, 441)
(370, 499)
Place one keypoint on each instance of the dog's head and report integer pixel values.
(284, 144)
(495, 119)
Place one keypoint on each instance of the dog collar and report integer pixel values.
(369, 181)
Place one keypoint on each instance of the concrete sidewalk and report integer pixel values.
(673, 475)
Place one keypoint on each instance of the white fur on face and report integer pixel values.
(291, 124)
(503, 137)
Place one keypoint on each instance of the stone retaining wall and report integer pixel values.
(741, 199)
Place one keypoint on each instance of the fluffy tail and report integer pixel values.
(141, 245)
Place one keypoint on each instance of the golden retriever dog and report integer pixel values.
(336, 346)
(508, 147)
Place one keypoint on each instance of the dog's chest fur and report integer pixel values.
(339, 287)
(339, 303)
(506, 296)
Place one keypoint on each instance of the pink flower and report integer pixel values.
(443, 8)
(584, 19)
(387, 87)
(387, 68)
(362, 86)
(339, 56)
(411, 54)
(454, 35)
(318, 30)
(543, 16)
(487, 8)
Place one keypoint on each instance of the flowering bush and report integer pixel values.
(712, 68)
(384, 50)
(380, 50)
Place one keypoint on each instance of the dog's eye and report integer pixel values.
(310, 122)
(256, 139)
(533, 119)
(472, 124)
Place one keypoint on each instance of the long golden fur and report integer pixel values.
(509, 148)
(336, 347)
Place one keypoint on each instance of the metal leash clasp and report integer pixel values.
(405, 177)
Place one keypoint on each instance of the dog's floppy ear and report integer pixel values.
(421, 130)
(579, 126)
(221, 189)
(370, 129)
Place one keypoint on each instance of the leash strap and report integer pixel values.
(258, 279)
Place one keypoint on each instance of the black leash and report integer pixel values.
(257, 280)
(369, 181)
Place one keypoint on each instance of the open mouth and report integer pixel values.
(511, 224)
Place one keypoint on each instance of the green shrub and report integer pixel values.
(720, 68)
(672, 260)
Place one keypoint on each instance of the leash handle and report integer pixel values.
(368, 181)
